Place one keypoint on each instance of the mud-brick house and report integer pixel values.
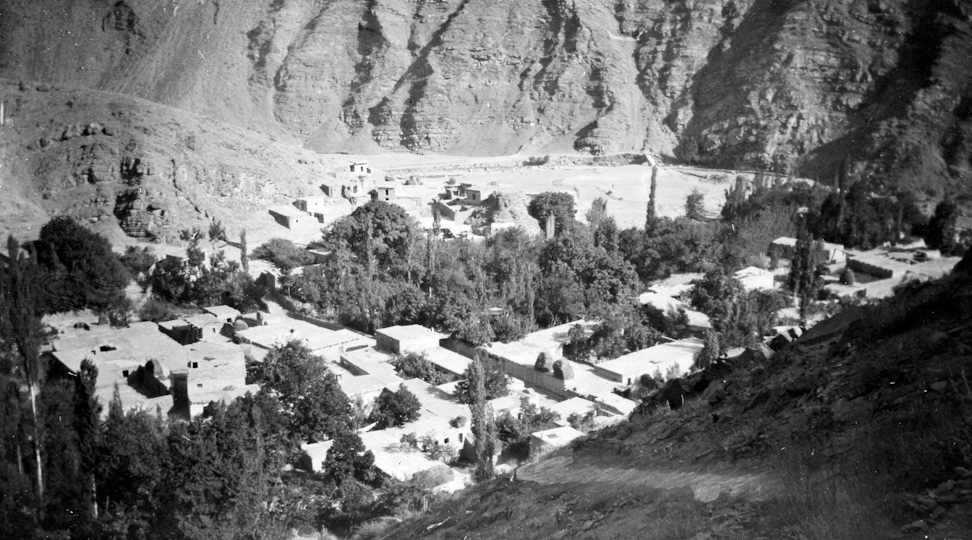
(361, 167)
(542, 442)
(214, 372)
(407, 338)
(311, 205)
(288, 216)
(677, 356)
(384, 191)
(478, 194)
(225, 314)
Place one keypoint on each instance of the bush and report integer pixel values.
(563, 370)
(544, 363)
(535, 161)
(417, 366)
(395, 409)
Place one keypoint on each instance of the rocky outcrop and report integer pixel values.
(789, 85)
(154, 169)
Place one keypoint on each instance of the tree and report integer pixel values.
(563, 369)
(347, 458)
(651, 214)
(483, 423)
(695, 205)
(710, 351)
(87, 413)
(224, 472)
(557, 204)
(138, 261)
(804, 278)
(311, 398)
(84, 268)
(20, 330)
(416, 366)
(941, 228)
(216, 232)
(244, 254)
(495, 382)
(597, 212)
(395, 409)
(514, 432)
(132, 460)
(283, 254)
(847, 277)
(544, 362)
(378, 231)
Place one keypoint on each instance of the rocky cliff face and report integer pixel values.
(791, 85)
(103, 157)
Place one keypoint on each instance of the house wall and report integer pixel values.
(533, 378)
(387, 343)
(612, 375)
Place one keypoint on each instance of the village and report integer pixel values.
(176, 368)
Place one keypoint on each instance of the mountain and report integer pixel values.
(790, 85)
(131, 167)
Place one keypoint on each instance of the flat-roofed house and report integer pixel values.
(478, 194)
(384, 191)
(676, 357)
(225, 313)
(311, 205)
(214, 372)
(544, 441)
(402, 339)
(360, 167)
(756, 279)
(287, 215)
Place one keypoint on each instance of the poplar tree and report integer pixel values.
(483, 424)
(20, 314)
(651, 217)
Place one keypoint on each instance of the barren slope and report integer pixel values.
(784, 84)
(107, 158)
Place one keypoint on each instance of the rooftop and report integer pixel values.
(285, 210)
(526, 350)
(222, 312)
(408, 332)
(646, 360)
(558, 436)
(447, 360)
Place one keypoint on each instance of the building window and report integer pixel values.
(446, 441)
(125, 373)
(199, 385)
(460, 437)
(195, 365)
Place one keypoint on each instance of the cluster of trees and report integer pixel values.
(384, 272)
(416, 366)
(205, 283)
(67, 469)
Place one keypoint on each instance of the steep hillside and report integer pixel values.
(862, 429)
(783, 84)
(108, 158)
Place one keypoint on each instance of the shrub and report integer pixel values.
(563, 370)
(394, 409)
(544, 362)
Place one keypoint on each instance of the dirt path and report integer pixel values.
(705, 486)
